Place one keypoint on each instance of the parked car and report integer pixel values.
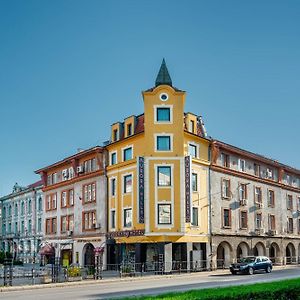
(251, 264)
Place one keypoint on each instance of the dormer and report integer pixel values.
(191, 123)
(116, 132)
(129, 126)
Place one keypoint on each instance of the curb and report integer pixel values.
(116, 280)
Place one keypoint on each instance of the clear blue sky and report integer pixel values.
(69, 69)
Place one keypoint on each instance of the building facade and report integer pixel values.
(75, 208)
(158, 182)
(255, 204)
(22, 222)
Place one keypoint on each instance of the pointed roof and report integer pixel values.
(163, 76)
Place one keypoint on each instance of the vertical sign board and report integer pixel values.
(141, 185)
(187, 171)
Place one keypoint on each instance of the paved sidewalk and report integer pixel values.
(124, 279)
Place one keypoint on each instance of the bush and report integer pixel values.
(74, 272)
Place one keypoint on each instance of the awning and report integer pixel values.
(47, 250)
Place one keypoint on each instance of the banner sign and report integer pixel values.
(187, 171)
(141, 185)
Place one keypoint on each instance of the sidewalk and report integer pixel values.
(125, 279)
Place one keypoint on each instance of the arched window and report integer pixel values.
(22, 208)
(16, 209)
(40, 204)
(4, 212)
(29, 206)
(9, 210)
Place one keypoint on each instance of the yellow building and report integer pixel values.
(158, 182)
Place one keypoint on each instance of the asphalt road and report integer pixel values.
(149, 286)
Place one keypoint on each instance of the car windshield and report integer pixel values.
(247, 260)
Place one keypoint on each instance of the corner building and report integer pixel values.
(158, 182)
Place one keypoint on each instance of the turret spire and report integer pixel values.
(163, 76)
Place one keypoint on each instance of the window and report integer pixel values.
(89, 192)
(257, 195)
(129, 129)
(64, 199)
(51, 226)
(90, 165)
(192, 126)
(289, 202)
(226, 217)
(242, 165)
(271, 198)
(298, 204)
(271, 222)
(29, 226)
(113, 158)
(269, 173)
(39, 227)
(195, 216)
(127, 154)
(4, 212)
(226, 188)
(63, 225)
(163, 114)
(225, 162)
(9, 210)
(113, 186)
(9, 227)
(40, 208)
(163, 143)
(22, 227)
(258, 220)
(127, 217)
(115, 135)
(89, 220)
(16, 209)
(113, 219)
(298, 226)
(243, 220)
(16, 227)
(192, 150)
(164, 176)
(194, 182)
(67, 223)
(164, 214)
(257, 170)
(127, 184)
(290, 225)
(67, 198)
(51, 202)
(22, 208)
(243, 191)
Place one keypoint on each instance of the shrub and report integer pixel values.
(74, 271)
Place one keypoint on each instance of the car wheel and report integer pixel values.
(233, 272)
(268, 269)
(250, 271)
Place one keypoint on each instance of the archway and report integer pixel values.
(242, 250)
(259, 249)
(224, 255)
(290, 253)
(275, 253)
(88, 255)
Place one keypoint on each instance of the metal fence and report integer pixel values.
(57, 273)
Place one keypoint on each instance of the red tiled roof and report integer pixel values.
(36, 184)
(139, 124)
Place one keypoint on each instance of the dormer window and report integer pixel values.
(129, 129)
(115, 135)
(192, 126)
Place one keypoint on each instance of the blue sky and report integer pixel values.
(69, 69)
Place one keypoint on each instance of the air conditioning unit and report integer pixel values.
(65, 173)
(80, 169)
(243, 202)
(70, 233)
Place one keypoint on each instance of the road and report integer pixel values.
(148, 286)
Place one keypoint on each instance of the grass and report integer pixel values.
(285, 289)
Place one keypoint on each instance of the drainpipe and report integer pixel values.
(209, 211)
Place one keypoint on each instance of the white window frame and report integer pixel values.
(197, 149)
(110, 158)
(155, 107)
(123, 152)
(240, 165)
(162, 135)
(123, 217)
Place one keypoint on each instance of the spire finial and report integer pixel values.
(163, 76)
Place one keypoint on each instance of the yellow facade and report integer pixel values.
(145, 144)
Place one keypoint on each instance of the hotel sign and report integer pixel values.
(187, 172)
(141, 189)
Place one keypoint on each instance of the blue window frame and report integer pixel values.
(127, 154)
